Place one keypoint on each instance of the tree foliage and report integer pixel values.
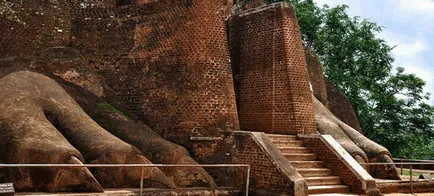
(391, 104)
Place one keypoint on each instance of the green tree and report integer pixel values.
(390, 104)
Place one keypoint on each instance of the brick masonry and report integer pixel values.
(29, 26)
(32, 25)
(266, 173)
(270, 73)
(169, 63)
(338, 166)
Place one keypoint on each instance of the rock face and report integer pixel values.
(316, 76)
(327, 93)
(341, 107)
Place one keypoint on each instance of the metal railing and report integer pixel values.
(411, 169)
(421, 167)
(142, 166)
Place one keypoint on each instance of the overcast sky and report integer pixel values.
(409, 24)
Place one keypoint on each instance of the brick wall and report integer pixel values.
(270, 73)
(337, 164)
(266, 173)
(316, 76)
(168, 61)
(31, 25)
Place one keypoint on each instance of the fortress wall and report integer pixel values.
(29, 26)
(316, 76)
(169, 63)
(270, 73)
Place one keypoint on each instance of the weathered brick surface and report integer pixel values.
(28, 26)
(335, 163)
(264, 174)
(316, 76)
(31, 25)
(270, 71)
(169, 63)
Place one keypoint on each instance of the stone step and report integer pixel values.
(282, 137)
(307, 164)
(288, 143)
(314, 172)
(326, 180)
(300, 157)
(327, 189)
(285, 149)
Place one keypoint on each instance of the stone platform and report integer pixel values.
(222, 191)
(403, 186)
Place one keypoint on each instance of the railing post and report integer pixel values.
(402, 165)
(141, 180)
(248, 181)
(411, 178)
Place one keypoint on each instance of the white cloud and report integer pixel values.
(408, 50)
(418, 7)
(408, 54)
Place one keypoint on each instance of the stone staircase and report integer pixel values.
(319, 179)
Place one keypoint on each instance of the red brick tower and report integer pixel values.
(169, 63)
(270, 73)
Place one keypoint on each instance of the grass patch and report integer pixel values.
(406, 172)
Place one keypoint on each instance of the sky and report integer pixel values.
(408, 25)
